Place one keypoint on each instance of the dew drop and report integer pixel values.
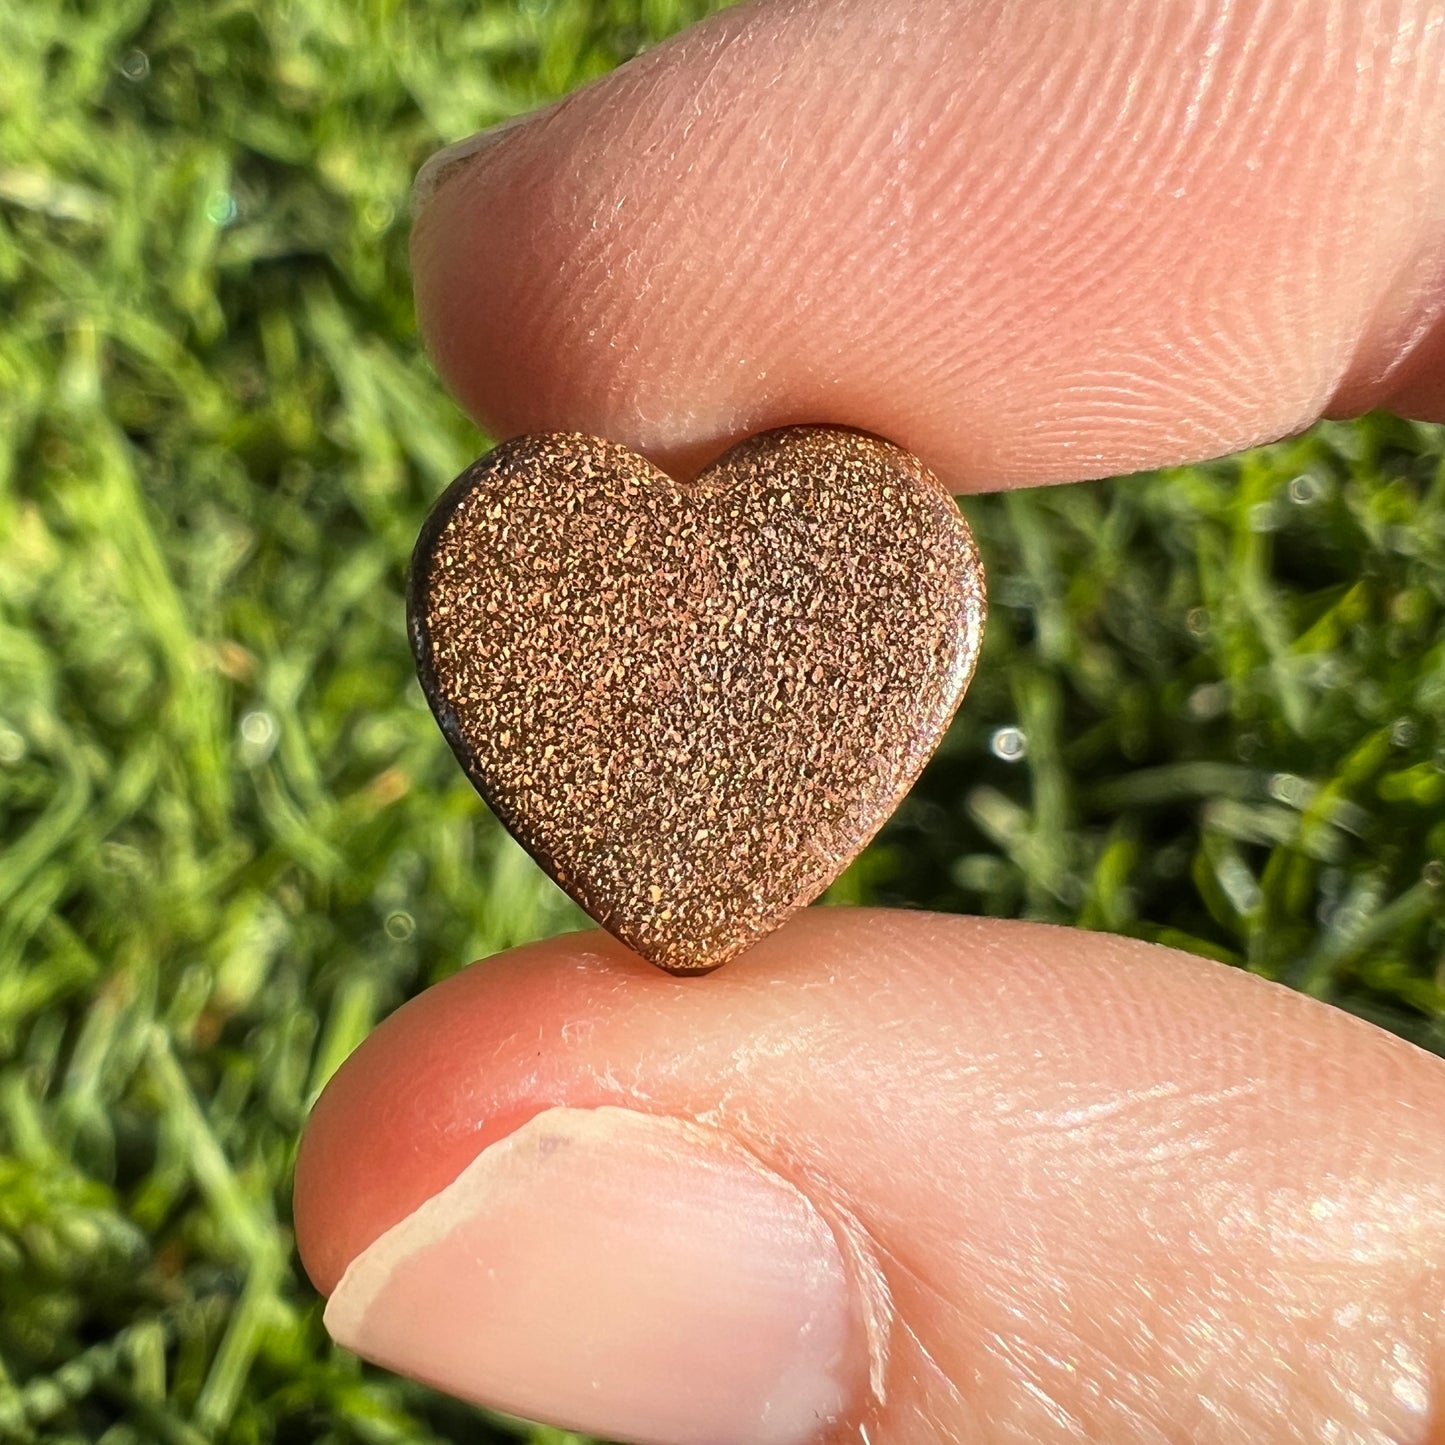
(259, 734)
(1009, 744)
(1403, 732)
(221, 208)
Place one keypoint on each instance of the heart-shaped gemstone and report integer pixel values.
(694, 704)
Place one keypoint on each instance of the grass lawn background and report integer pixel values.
(231, 837)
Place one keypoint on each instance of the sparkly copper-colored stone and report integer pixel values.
(693, 705)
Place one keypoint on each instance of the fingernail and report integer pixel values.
(620, 1274)
(451, 160)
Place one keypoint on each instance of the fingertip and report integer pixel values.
(988, 1109)
(854, 215)
(1417, 389)
(410, 1108)
(619, 1272)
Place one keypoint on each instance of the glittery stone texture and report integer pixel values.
(693, 705)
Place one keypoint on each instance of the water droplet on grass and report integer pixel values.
(1009, 744)
(1290, 789)
(1208, 700)
(399, 926)
(378, 215)
(259, 733)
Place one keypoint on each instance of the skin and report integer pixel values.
(1028, 245)
(1114, 1194)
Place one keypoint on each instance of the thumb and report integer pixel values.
(895, 1178)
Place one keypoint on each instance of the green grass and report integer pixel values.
(231, 838)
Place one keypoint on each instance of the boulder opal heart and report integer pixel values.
(694, 704)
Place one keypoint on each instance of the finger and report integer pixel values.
(892, 1177)
(1029, 244)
